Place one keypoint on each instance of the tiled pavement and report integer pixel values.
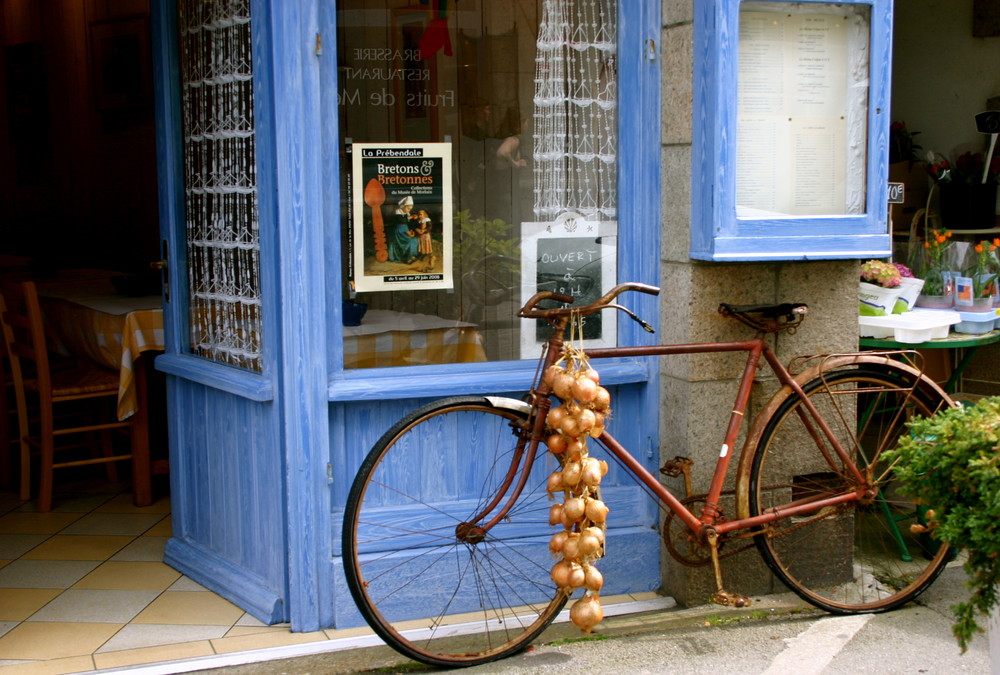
(84, 588)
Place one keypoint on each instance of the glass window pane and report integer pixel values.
(509, 110)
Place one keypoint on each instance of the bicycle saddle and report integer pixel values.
(786, 310)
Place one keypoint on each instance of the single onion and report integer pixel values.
(550, 374)
(584, 389)
(555, 417)
(594, 532)
(591, 473)
(571, 547)
(555, 482)
(585, 420)
(555, 514)
(575, 446)
(601, 400)
(604, 467)
(596, 430)
(560, 573)
(574, 508)
(557, 541)
(571, 474)
(557, 443)
(586, 613)
(570, 426)
(588, 544)
(592, 374)
(594, 578)
(577, 576)
(562, 385)
(596, 510)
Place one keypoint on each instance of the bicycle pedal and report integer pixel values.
(727, 599)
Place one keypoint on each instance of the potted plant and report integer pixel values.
(878, 288)
(980, 278)
(931, 266)
(950, 464)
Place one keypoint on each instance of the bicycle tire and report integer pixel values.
(429, 595)
(887, 565)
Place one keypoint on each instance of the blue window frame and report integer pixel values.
(722, 230)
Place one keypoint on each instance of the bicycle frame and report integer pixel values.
(756, 348)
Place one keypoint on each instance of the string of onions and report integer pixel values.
(585, 407)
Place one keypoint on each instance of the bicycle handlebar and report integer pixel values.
(531, 311)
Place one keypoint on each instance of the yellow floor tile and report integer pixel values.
(22, 522)
(72, 664)
(123, 504)
(190, 607)
(240, 631)
(244, 643)
(134, 657)
(164, 528)
(130, 576)
(54, 640)
(17, 604)
(78, 547)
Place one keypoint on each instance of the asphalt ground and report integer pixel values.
(777, 634)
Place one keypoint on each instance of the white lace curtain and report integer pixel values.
(575, 110)
(223, 242)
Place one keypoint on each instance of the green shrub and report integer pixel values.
(950, 462)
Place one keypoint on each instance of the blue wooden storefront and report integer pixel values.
(261, 463)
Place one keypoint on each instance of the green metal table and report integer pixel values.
(969, 343)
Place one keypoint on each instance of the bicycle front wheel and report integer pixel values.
(859, 556)
(427, 580)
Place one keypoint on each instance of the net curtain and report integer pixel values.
(575, 138)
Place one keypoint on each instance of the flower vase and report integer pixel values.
(909, 291)
(874, 300)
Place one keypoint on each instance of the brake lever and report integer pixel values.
(645, 326)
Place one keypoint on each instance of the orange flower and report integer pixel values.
(979, 248)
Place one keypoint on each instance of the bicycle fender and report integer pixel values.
(823, 364)
(508, 404)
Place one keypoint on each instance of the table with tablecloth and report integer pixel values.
(89, 319)
(390, 338)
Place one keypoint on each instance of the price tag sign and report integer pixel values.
(896, 193)
(988, 122)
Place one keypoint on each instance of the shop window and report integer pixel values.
(478, 159)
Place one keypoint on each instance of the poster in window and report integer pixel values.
(402, 214)
(576, 257)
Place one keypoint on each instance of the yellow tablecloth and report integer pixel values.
(88, 319)
(388, 338)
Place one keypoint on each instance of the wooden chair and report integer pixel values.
(67, 400)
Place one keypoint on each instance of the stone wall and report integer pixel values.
(698, 390)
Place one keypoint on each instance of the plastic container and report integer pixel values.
(910, 327)
(976, 323)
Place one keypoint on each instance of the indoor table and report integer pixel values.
(85, 317)
(390, 338)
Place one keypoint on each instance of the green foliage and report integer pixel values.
(951, 463)
(479, 238)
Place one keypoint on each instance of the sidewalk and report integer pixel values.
(778, 634)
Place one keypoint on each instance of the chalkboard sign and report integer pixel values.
(572, 266)
(572, 256)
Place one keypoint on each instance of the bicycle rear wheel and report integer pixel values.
(432, 586)
(859, 556)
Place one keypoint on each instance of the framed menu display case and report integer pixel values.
(791, 115)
